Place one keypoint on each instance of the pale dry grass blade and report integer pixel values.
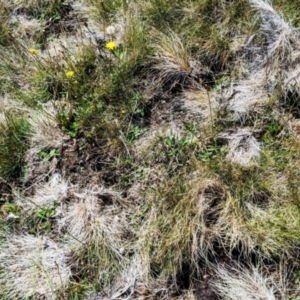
(247, 284)
(56, 189)
(243, 147)
(90, 221)
(172, 61)
(47, 134)
(33, 266)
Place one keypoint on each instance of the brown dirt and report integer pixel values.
(82, 163)
(5, 191)
(203, 290)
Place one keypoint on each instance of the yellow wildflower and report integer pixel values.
(111, 45)
(123, 111)
(34, 51)
(70, 74)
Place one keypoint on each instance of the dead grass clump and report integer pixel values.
(172, 62)
(282, 55)
(177, 229)
(281, 37)
(33, 267)
(26, 27)
(135, 283)
(274, 67)
(247, 96)
(88, 218)
(11, 105)
(247, 227)
(47, 133)
(243, 147)
(47, 137)
(47, 195)
(55, 189)
(236, 282)
(156, 136)
(198, 102)
(96, 226)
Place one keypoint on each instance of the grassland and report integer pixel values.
(149, 149)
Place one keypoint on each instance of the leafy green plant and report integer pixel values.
(273, 127)
(135, 131)
(172, 145)
(46, 213)
(175, 152)
(68, 123)
(210, 152)
(10, 208)
(272, 136)
(219, 83)
(47, 155)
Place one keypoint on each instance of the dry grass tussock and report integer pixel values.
(180, 213)
(274, 64)
(33, 266)
(27, 27)
(199, 103)
(56, 189)
(95, 217)
(243, 147)
(96, 228)
(173, 63)
(244, 224)
(155, 134)
(94, 225)
(47, 133)
(135, 283)
(233, 283)
(9, 104)
(208, 213)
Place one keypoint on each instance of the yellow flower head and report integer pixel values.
(111, 45)
(70, 74)
(34, 51)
